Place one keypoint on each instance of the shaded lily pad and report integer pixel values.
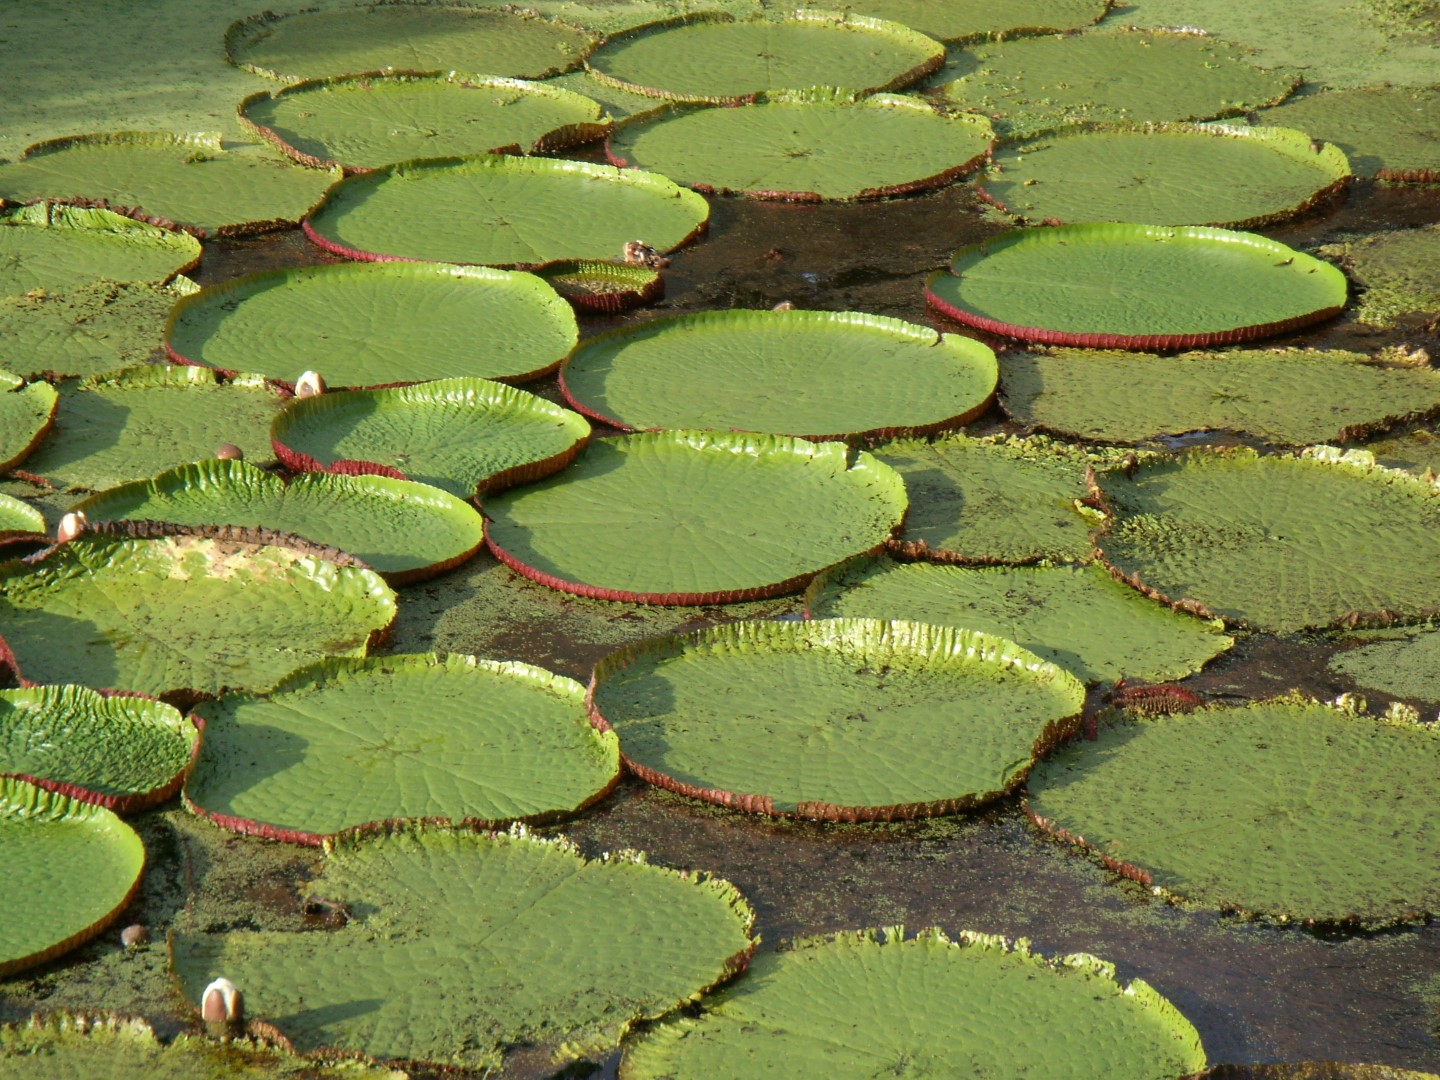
(813, 374)
(403, 531)
(1122, 286)
(47, 246)
(75, 864)
(464, 436)
(693, 517)
(1398, 273)
(524, 960)
(27, 412)
(406, 212)
(1388, 132)
(470, 739)
(376, 324)
(603, 286)
(836, 719)
(1406, 665)
(817, 1008)
(973, 20)
(1286, 808)
(88, 330)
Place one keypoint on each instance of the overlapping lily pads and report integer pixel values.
(27, 412)
(376, 324)
(1400, 663)
(1132, 286)
(815, 374)
(1387, 131)
(971, 20)
(88, 330)
(693, 517)
(1398, 273)
(51, 247)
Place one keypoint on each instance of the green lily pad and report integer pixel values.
(1388, 132)
(837, 719)
(1169, 174)
(814, 374)
(403, 531)
(528, 215)
(18, 517)
(1286, 808)
(975, 20)
(1404, 666)
(162, 611)
(169, 178)
(75, 864)
(1122, 286)
(47, 246)
(1398, 273)
(27, 412)
(693, 517)
(1290, 396)
(1276, 543)
(374, 324)
(819, 1007)
(415, 36)
(603, 286)
(1078, 618)
(469, 739)
(121, 752)
(362, 122)
(807, 146)
(1150, 76)
(526, 957)
(719, 59)
(88, 330)
(463, 436)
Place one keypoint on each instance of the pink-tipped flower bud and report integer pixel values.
(784, 305)
(71, 526)
(228, 451)
(223, 1010)
(310, 384)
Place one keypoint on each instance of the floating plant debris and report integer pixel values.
(971, 20)
(1398, 273)
(49, 247)
(608, 287)
(88, 330)
(1403, 664)
(27, 412)
(1387, 131)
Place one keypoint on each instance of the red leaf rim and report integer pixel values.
(609, 303)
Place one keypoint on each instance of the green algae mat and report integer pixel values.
(1398, 273)
(1285, 808)
(806, 147)
(463, 739)
(971, 20)
(540, 946)
(1387, 131)
(869, 1003)
(531, 211)
(27, 413)
(835, 719)
(376, 324)
(1135, 286)
(813, 374)
(88, 330)
(1402, 663)
(694, 517)
(49, 247)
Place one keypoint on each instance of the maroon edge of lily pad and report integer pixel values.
(1422, 174)
(607, 303)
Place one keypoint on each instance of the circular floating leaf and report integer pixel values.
(528, 212)
(88, 330)
(1398, 273)
(164, 613)
(1284, 808)
(525, 958)
(27, 412)
(693, 517)
(826, 1007)
(1136, 286)
(71, 866)
(1173, 174)
(48, 246)
(839, 719)
(814, 374)
(460, 738)
(19, 517)
(1387, 131)
(374, 324)
(1276, 543)
(1078, 618)
(807, 146)
(362, 122)
(970, 20)
(604, 286)
(715, 58)
(464, 436)
(403, 531)
(1404, 667)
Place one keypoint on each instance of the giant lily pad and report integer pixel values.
(716, 58)
(464, 436)
(362, 122)
(527, 958)
(816, 374)
(1387, 131)
(807, 146)
(1114, 286)
(48, 246)
(609, 287)
(402, 530)
(970, 20)
(1284, 808)
(464, 738)
(1403, 664)
(376, 324)
(27, 411)
(1398, 273)
(688, 517)
(978, 1006)
(88, 330)
(840, 719)
(74, 865)
(532, 211)
(161, 613)
(18, 517)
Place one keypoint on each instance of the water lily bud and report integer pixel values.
(223, 1010)
(228, 451)
(132, 937)
(783, 305)
(71, 526)
(310, 384)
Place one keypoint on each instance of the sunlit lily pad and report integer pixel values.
(18, 517)
(687, 517)
(1123, 286)
(27, 412)
(524, 212)
(1403, 664)
(376, 324)
(1387, 131)
(464, 739)
(608, 287)
(976, 1006)
(75, 864)
(88, 330)
(1285, 808)
(47, 246)
(970, 20)
(1398, 273)
(815, 374)
(527, 958)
